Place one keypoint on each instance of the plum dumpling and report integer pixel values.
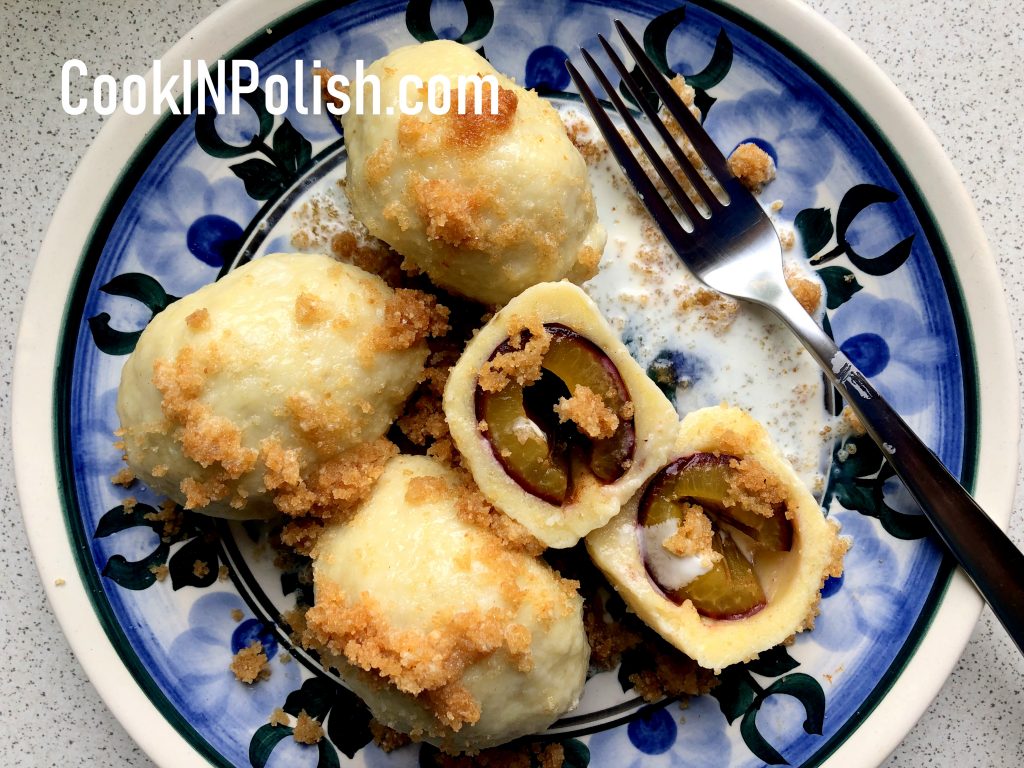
(724, 551)
(486, 204)
(264, 391)
(556, 421)
(448, 630)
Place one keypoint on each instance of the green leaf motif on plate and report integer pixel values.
(267, 737)
(132, 285)
(840, 285)
(858, 476)
(741, 696)
(479, 22)
(815, 228)
(196, 531)
(656, 37)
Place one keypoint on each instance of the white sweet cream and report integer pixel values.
(670, 570)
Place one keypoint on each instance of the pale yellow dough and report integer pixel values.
(279, 350)
(485, 206)
(422, 564)
(792, 580)
(593, 503)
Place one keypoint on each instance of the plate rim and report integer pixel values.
(39, 333)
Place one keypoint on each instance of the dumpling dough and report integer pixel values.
(437, 624)
(592, 503)
(792, 580)
(242, 398)
(486, 205)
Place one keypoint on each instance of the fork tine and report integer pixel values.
(692, 174)
(691, 211)
(658, 208)
(705, 147)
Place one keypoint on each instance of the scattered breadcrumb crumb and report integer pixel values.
(198, 320)
(806, 291)
(752, 166)
(279, 717)
(307, 729)
(160, 571)
(236, 614)
(250, 663)
(123, 477)
(200, 569)
(387, 739)
(222, 573)
(59, 582)
(588, 411)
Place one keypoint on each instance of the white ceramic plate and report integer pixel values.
(878, 200)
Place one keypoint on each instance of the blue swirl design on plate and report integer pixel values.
(180, 216)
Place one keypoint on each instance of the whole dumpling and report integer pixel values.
(445, 630)
(487, 205)
(263, 392)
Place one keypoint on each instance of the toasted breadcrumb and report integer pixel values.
(301, 534)
(123, 477)
(410, 316)
(426, 489)
(515, 755)
(236, 614)
(755, 488)
(310, 309)
(588, 411)
(521, 362)
(279, 717)
(717, 311)
(160, 571)
(198, 320)
(307, 729)
(170, 518)
(807, 292)
(852, 421)
(671, 674)
(471, 131)
(387, 739)
(250, 664)
(222, 573)
(200, 569)
(752, 166)
(59, 582)
(129, 504)
(694, 535)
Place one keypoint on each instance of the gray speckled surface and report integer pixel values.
(959, 63)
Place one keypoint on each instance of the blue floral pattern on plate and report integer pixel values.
(184, 213)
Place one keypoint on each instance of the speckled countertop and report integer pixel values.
(960, 65)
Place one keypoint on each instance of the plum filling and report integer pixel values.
(703, 485)
(543, 451)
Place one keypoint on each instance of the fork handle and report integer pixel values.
(985, 552)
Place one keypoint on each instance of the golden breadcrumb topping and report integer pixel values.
(200, 568)
(807, 292)
(236, 614)
(301, 534)
(694, 535)
(515, 755)
(388, 739)
(198, 320)
(755, 488)
(307, 729)
(429, 662)
(160, 571)
(310, 309)
(852, 421)
(752, 166)
(170, 518)
(717, 311)
(426, 489)
(452, 212)
(472, 132)
(521, 363)
(588, 411)
(279, 717)
(250, 663)
(410, 316)
(123, 477)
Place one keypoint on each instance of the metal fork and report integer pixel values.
(734, 249)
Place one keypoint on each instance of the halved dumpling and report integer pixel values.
(724, 552)
(557, 423)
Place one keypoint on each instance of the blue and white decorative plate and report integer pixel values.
(162, 205)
